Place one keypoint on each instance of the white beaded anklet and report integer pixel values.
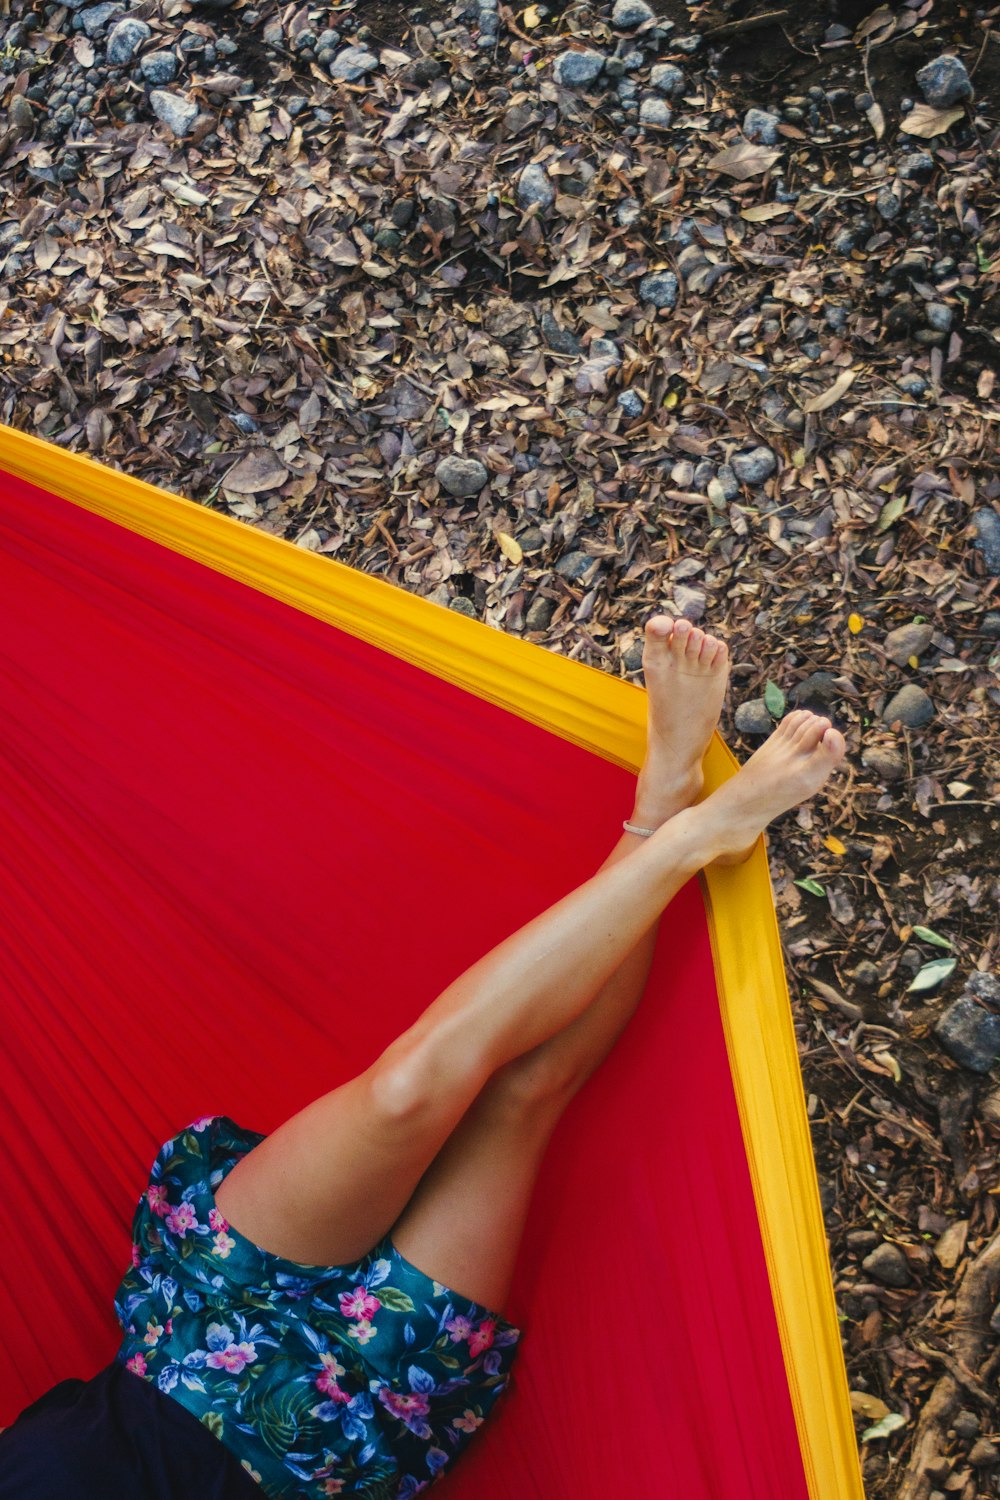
(644, 833)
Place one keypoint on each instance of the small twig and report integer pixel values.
(749, 23)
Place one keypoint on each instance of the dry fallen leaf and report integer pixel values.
(951, 1244)
(924, 120)
(742, 160)
(509, 547)
(261, 469)
(876, 120)
(865, 1405)
(759, 212)
(833, 393)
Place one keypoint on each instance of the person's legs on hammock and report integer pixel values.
(330, 1182)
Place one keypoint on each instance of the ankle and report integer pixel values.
(660, 800)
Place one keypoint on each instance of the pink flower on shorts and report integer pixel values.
(459, 1328)
(136, 1364)
(216, 1220)
(332, 1486)
(181, 1219)
(156, 1197)
(153, 1331)
(362, 1331)
(405, 1407)
(482, 1339)
(468, 1421)
(136, 1257)
(202, 1124)
(359, 1304)
(225, 1353)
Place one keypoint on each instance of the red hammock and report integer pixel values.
(243, 851)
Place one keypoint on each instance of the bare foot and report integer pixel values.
(791, 766)
(686, 674)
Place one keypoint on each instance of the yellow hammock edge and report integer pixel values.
(606, 716)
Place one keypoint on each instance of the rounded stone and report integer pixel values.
(627, 14)
(158, 67)
(534, 187)
(761, 126)
(353, 63)
(667, 78)
(907, 641)
(887, 764)
(574, 70)
(461, 477)
(987, 527)
(660, 288)
(654, 112)
(125, 39)
(752, 717)
(888, 1264)
(176, 112)
(911, 706)
(944, 81)
(755, 465)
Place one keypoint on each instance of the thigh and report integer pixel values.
(464, 1223)
(329, 1183)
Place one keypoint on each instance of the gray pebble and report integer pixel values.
(887, 764)
(939, 315)
(985, 987)
(987, 524)
(534, 187)
(353, 63)
(913, 385)
(631, 403)
(660, 288)
(574, 564)
(176, 112)
(627, 14)
(861, 1239)
(889, 1265)
(158, 67)
(125, 39)
(970, 1034)
(94, 20)
(966, 1424)
(654, 112)
(916, 166)
(984, 1454)
(760, 125)
(574, 70)
(628, 212)
(540, 612)
(991, 625)
(816, 692)
(562, 340)
(907, 641)
(911, 706)
(944, 81)
(754, 466)
(461, 476)
(866, 976)
(667, 77)
(887, 204)
(728, 481)
(752, 717)
(463, 606)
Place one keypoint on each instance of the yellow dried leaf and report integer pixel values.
(843, 381)
(509, 547)
(834, 845)
(959, 788)
(924, 120)
(888, 1061)
(913, 661)
(530, 18)
(760, 212)
(855, 624)
(864, 1405)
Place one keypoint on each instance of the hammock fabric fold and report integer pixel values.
(244, 848)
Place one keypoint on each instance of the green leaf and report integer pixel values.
(882, 1429)
(932, 937)
(812, 886)
(890, 512)
(931, 975)
(213, 1422)
(774, 699)
(394, 1299)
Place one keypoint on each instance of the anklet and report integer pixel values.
(644, 833)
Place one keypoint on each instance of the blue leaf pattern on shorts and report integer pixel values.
(363, 1380)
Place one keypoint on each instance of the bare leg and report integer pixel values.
(330, 1182)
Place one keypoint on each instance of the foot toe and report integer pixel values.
(659, 627)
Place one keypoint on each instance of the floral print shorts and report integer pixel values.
(365, 1379)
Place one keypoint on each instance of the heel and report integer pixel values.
(725, 860)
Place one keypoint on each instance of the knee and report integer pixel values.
(413, 1081)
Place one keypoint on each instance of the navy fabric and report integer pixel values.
(116, 1437)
